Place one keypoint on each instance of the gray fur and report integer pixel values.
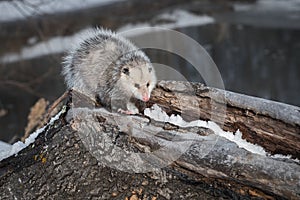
(96, 67)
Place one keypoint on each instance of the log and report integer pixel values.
(90, 152)
(272, 125)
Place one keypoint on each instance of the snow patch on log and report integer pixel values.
(156, 113)
(18, 146)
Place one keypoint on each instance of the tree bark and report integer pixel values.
(92, 153)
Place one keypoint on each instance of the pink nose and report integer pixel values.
(145, 98)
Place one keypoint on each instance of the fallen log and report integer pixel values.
(89, 152)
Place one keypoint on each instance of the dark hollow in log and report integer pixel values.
(92, 153)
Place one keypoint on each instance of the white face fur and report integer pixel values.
(138, 81)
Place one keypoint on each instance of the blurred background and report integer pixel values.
(254, 43)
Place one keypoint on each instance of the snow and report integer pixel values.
(60, 44)
(52, 46)
(182, 18)
(288, 157)
(4, 146)
(175, 19)
(269, 5)
(21, 9)
(18, 146)
(156, 113)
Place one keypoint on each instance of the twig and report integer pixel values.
(22, 86)
(55, 104)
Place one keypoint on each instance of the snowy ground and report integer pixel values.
(177, 18)
(13, 10)
(55, 45)
(267, 13)
(174, 19)
(269, 5)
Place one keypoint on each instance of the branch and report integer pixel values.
(22, 86)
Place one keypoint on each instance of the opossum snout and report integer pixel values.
(145, 98)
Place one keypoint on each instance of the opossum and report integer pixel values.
(108, 67)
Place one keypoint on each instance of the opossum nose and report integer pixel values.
(145, 98)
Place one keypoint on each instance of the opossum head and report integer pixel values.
(138, 79)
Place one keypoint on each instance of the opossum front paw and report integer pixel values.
(127, 112)
(132, 108)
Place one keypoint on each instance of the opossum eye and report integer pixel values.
(150, 69)
(148, 84)
(137, 85)
(125, 70)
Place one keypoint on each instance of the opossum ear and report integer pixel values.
(125, 70)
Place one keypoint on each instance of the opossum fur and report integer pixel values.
(108, 67)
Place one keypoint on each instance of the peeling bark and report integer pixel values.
(275, 126)
(90, 152)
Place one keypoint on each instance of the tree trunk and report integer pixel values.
(92, 153)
